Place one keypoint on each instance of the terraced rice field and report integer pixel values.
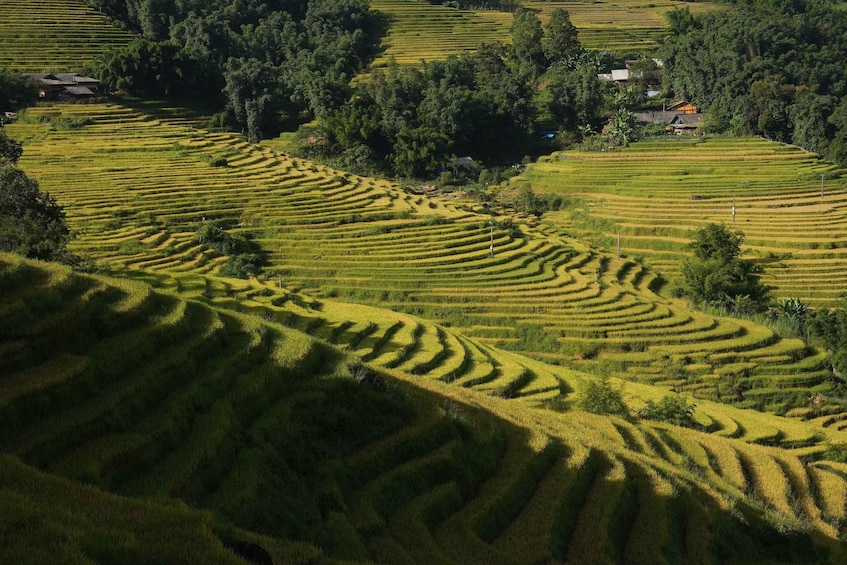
(619, 26)
(423, 31)
(655, 193)
(138, 186)
(420, 30)
(54, 35)
(148, 409)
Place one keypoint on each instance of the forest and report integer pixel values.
(772, 69)
(261, 63)
(764, 68)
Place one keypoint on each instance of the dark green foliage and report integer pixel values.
(561, 37)
(526, 38)
(10, 150)
(830, 326)
(576, 96)
(601, 397)
(716, 275)
(526, 201)
(242, 266)
(261, 63)
(671, 409)
(245, 257)
(776, 70)
(14, 93)
(411, 122)
(31, 222)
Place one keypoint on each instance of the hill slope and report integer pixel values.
(148, 184)
(54, 35)
(656, 193)
(281, 443)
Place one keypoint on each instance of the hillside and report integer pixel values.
(54, 35)
(656, 193)
(148, 184)
(421, 30)
(161, 428)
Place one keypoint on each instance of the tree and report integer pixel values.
(672, 409)
(680, 20)
(419, 151)
(831, 327)
(13, 92)
(560, 40)
(601, 397)
(10, 150)
(714, 241)
(526, 38)
(575, 96)
(716, 275)
(31, 222)
(645, 73)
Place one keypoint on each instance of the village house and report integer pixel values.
(686, 124)
(681, 117)
(63, 86)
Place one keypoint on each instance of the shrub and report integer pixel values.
(672, 409)
(600, 397)
(242, 266)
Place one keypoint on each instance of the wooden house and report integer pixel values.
(63, 86)
(683, 107)
(686, 124)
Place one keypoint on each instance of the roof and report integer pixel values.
(620, 74)
(656, 117)
(77, 78)
(680, 104)
(79, 90)
(61, 79)
(690, 120)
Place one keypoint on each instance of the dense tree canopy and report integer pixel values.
(409, 121)
(775, 70)
(264, 62)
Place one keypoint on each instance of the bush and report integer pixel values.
(242, 266)
(672, 409)
(600, 397)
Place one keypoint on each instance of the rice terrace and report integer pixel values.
(407, 281)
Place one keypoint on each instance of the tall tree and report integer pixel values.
(561, 38)
(527, 34)
(575, 96)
